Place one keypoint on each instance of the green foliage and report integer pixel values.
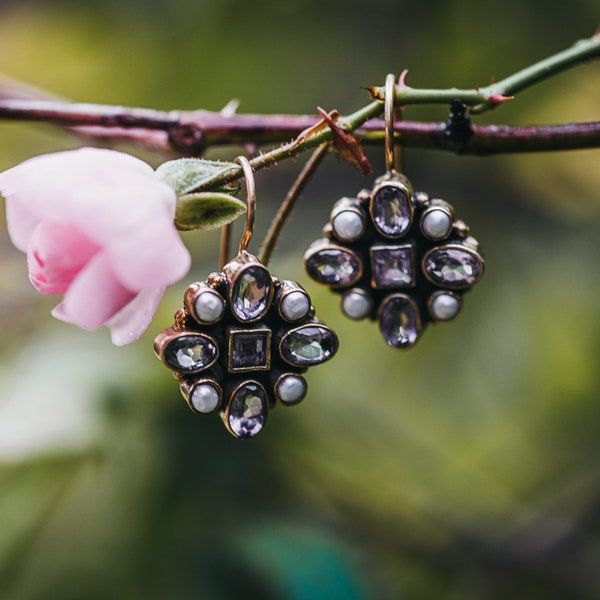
(185, 175)
(207, 210)
(201, 210)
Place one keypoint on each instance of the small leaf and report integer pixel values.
(346, 145)
(185, 175)
(207, 210)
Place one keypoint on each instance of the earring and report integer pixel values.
(244, 338)
(395, 255)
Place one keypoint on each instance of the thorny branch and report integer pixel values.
(191, 133)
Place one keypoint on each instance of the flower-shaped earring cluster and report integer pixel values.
(396, 256)
(243, 340)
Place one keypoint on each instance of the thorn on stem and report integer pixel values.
(402, 79)
(498, 98)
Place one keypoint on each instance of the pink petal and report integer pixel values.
(150, 258)
(104, 191)
(21, 223)
(130, 322)
(94, 297)
(55, 255)
(113, 199)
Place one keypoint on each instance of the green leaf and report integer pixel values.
(207, 210)
(185, 175)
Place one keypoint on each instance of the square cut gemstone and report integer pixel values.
(249, 350)
(392, 266)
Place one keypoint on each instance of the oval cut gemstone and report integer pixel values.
(391, 210)
(251, 293)
(247, 410)
(453, 267)
(399, 321)
(334, 266)
(308, 345)
(191, 353)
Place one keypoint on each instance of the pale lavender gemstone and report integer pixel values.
(308, 345)
(451, 267)
(391, 211)
(399, 321)
(392, 266)
(334, 266)
(249, 350)
(190, 353)
(251, 293)
(247, 411)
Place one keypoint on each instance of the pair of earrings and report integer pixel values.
(244, 338)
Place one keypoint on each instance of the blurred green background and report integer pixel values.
(466, 468)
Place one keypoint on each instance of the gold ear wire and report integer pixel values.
(392, 163)
(250, 212)
(250, 202)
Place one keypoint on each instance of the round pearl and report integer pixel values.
(356, 304)
(295, 306)
(444, 307)
(291, 389)
(436, 224)
(209, 307)
(204, 398)
(348, 225)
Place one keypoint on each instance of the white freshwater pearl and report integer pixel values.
(348, 225)
(356, 304)
(444, 307)
(204, 398)
(209, 307)
(436, 224)
(291, 389)
(295, 306)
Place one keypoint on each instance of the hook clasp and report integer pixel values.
(389, 115)
(250, 202)
(250, 211)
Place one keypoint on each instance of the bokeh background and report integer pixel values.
(466, 468)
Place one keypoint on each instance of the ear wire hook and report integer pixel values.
(389, 114)
(250, 212)
(250, 202)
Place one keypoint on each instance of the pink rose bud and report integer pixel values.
(97, 226)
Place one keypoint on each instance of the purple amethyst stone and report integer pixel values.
(308, 345)
(249, 350)
(392, 266)
(251, 293)
(191, 353)
(391, 210)
(247, 411)
(453, 267)
(399, 321)
(334, 266)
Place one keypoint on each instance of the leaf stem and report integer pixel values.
(289, 202)
(481, 99)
